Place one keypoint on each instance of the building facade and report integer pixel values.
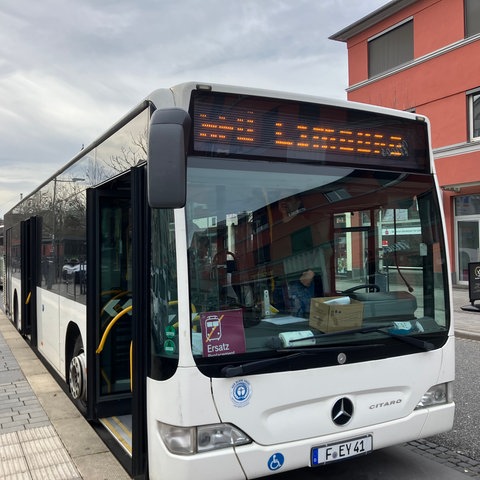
(424, 56)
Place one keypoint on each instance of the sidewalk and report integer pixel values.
(467, 323)
(43, 436)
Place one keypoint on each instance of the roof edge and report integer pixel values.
(371, 19)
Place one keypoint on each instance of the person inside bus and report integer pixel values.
(294, 296)
(301, 291)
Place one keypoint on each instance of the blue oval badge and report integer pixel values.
(240, 393)
(276, 461)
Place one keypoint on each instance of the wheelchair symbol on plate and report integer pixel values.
(276, 461)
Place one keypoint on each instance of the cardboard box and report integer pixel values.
(333, 317)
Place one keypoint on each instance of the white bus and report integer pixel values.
(254, 281)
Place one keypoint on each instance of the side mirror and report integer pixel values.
(167, 158)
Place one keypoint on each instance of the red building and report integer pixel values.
(424, 56)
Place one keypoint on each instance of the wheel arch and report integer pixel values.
(73, 332)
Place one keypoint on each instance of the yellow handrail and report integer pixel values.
(29, 296)
(110, 326)
(131, 366)
(119, 293)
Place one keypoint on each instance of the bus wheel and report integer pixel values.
(77, 376)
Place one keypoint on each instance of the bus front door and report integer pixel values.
(30, 271)
(114, 385)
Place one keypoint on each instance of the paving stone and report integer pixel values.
(12, 466)
(10, 451)
(37, 434)
(449, 458)
(37, 422)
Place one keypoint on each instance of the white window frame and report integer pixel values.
(471, 117)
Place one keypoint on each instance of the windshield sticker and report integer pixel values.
(169, 346)
(170, 331)
(276, 461)
(222, 333)
(240, 393)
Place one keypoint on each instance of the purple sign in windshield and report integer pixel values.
(222, 333)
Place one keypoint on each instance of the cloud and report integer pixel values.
(69, 69)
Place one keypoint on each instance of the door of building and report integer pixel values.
(468, 240)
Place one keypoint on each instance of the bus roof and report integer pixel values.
(179, 96)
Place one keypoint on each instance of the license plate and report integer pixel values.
(338, 451)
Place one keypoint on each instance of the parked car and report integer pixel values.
(75, 270)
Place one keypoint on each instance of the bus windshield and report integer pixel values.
(283, 256)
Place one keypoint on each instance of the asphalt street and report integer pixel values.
(464, 438)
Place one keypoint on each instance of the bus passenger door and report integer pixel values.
(30, 271)
(114, 374)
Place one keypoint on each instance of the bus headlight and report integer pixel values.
(436, 395)
(191, 440)
(223, 435)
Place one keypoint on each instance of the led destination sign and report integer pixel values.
(246, 128)
(225, 124)
(305, 137)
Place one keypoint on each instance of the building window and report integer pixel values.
(474, 110)
(467, 205)
(472, 17)
(390, 49)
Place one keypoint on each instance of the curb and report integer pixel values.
(467, 335)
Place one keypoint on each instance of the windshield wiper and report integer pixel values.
(235, 370)
(424, 345)
(404, 338)
(250, 367)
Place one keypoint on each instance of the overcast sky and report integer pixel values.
(69, 69)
